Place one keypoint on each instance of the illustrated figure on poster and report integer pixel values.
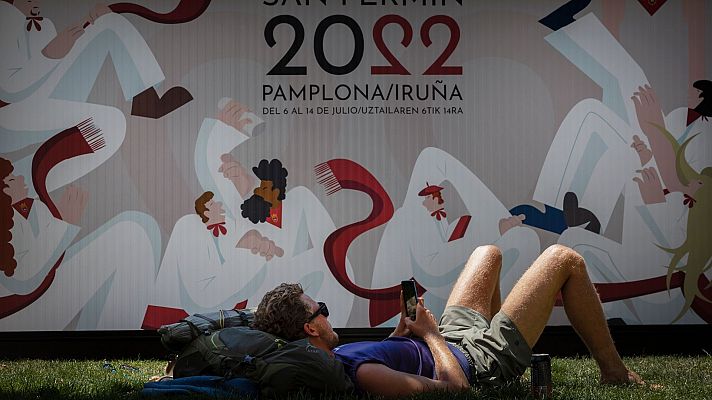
(612, 14)
(423, 241)
(50, 282)
(272, 236)
(419, 240)
(589, 46)
(596, 157)
(679, 177)
(46, 78)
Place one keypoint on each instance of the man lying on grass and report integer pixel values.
(479, 340)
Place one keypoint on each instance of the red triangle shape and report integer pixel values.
(652, 6)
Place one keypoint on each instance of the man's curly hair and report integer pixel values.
(282, 312)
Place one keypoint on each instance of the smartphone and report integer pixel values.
(410, 298)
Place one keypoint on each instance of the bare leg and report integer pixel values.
(477, 287)
(532, 299)
(496, 303)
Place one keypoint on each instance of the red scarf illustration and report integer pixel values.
(185, 11)
(340, 174)
(82, 139)
(218, 229)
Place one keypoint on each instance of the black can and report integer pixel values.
(541, 376)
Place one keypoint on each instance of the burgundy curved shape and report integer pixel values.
(185, 11)
(625, 290)
(338, 174)
(65, 145)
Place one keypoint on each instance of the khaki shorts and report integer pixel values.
(496, 350)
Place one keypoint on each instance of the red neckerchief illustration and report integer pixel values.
(24, 207)
(34, 22)
(687, 200)
(218, 229)
(439, 214)
(275, 216)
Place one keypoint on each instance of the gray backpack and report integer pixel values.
(297, 366)
(223, 352)
(278, 366)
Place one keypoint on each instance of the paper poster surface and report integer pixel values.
(176, 157)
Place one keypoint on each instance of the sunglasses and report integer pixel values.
(322, 310)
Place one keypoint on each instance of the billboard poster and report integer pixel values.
(172, 157)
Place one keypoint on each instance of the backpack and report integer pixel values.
(219, 353)
(279, 367)
(175, 337)
(297, 366)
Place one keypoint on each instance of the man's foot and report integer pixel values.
(622, 377)
(148, 104)
(575, 215)
(564, 15)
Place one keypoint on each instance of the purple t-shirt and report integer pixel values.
(398, 353)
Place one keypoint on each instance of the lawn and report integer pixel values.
(680, 378)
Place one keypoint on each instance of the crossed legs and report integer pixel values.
(531, 300)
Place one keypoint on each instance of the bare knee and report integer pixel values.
(563, 258)
(489, 250)
(488, 254)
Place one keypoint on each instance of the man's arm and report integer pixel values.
(447, 369)
(384, 381)
(380, 380)
(215, 138)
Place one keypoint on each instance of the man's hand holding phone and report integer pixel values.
(414, 317)
(424, 324)
(401, 329)
(409, 297)
(408, 302)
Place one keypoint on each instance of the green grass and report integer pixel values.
(680, 377)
